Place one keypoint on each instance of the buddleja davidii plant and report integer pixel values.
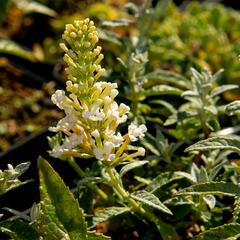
(227, 184)
(199, 115)
(90, 127)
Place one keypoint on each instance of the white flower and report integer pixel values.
(73, 141)
(123, 109)
(105, 152)
(66, 123)
(141, 151)
(95, 133)
(135, 132)
(96, 114)
(57, 151)
(58, 98)
(115, 139)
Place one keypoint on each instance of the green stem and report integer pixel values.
(135, 206)
(82, 174)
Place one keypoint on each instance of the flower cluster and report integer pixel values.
(92, 114)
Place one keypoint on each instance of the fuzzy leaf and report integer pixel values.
(61, 212)
(131, 166)
(107, 213)
(109, 36)
(214, 188)
(169, 77)
(10, 47)
(18, 230)
(231, 143)
(161, 90)
(116, 23)
(232, 108)
(32, 6)
(161, 180)
(217, 91)
(150, 200)
(225, 231)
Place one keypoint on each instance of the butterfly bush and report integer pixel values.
(92, 116)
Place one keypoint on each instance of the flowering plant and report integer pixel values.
(169, 194)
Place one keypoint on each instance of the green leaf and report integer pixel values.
(214, 188)
(18, 230)
(150, 200)
(3, 11)
(225, 231)
(169, 77)
(232, 108)
(230, 142)
(31, 6)
(9, 177)
(131, 166)
(161, 90)
(116, 23)
(108, 213)
(161, 180)
(109, 36)
(61, 212)
(10, 47)
(217, 91)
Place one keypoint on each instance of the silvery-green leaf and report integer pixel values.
(109, 36)
(203, 176)
(232, 108)
(131, 166)
(210, 201)
(166, 104)
(28, 6)
(217, 91)
(148, 145)
(231, 143)
(224, 232)
(169, 77)
(108, 213)
(150, 200)
(11, 47)
(116, 23)
(161, 180)
(160, 90)
(214, 188)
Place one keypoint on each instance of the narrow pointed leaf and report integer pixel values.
(131, 166)
(223, 232)
(217, 91)
(231, 143)
(232, 108)
(162, 180)
(161, 90)
(150, 200)
(169, 77)
(60, 203)
(214, 188)
(116, 23)
(32, 6)
(108, 213)
(10, 47)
